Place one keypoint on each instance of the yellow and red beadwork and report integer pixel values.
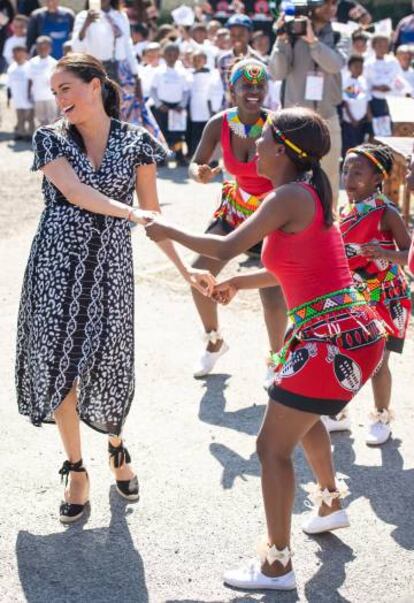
(252, 74)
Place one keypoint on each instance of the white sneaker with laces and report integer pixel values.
(208, 360)
(315, 524)
(250, 577)
(341, 422)
(379, 429)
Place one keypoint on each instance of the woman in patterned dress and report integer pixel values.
(75, 345)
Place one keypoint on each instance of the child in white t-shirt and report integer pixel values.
(39, 71)
(19, 28)
(356, 112)
(206, 97)
(382, 73)
(170, 93)
(146, 69)
(17, 92)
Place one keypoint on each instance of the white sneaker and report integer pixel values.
(208, 361)
(250, 577)
(378, 433)
(340, 423)
(314, 524)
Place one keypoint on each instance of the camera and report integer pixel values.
(295, 12)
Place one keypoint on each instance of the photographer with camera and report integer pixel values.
(309, 56)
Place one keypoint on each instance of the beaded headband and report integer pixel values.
(371, 157)
(301, 154)
(252, 74)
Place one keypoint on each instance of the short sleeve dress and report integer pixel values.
(76, 316)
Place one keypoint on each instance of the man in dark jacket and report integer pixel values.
(53, 21)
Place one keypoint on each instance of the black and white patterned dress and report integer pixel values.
(77, 306)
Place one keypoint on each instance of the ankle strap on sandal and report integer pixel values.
(67, 467)
(213, 337)
(272, 553)
(384, 416)
(119, 454)
(317, 496)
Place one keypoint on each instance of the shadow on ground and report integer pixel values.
(388, 486)
(81, 565)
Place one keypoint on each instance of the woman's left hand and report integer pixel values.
(156, 229)
(201, 280)
(373, 251)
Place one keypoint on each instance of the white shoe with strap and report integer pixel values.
(341, 422)
(208, 359)
(250, 576)
(314, 523)
(379, 430)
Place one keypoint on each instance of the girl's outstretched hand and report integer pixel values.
(156, 228)
(224, 292)
(204, 173)
(201, 280)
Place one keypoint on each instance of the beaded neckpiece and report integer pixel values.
(244, 130)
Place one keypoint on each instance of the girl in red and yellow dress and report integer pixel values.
(376, 243)
(335, 345)
(235, 131)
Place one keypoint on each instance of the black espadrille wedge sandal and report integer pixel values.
(69, 512)
(128, 489)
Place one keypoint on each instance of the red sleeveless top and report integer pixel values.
(245, 173)
(309, 263)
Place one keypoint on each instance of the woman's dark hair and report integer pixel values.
(309, 133)
(86, 68)
(381, 152)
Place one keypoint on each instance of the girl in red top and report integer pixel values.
(335, 344)
(236, 130)
(376, 243)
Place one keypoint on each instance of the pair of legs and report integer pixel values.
(67, 420)
(282, 430)
(273, 303)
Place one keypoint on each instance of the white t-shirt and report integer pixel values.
(146, 74)
(379, 72)
(17, 81)
(11, 43)
(39, 71)
(205, 87)
(170, 84)
(355, 93)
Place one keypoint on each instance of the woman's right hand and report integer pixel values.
(204, 173)
(224, 292)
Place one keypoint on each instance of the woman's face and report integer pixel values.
(249, 97)
(76, 100)
(266, 152)
(360, 178)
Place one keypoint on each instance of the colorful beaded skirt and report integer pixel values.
(236, 205)
(334, 346)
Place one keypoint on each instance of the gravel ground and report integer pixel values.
(193, 444)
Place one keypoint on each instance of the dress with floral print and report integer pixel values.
(76, 316)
